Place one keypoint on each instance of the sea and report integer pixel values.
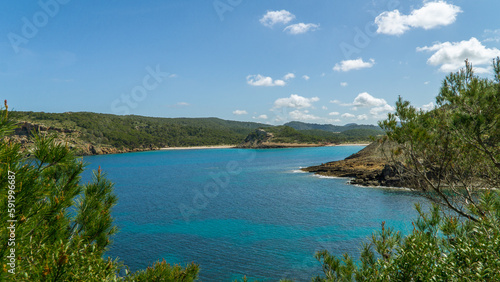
(243, 212)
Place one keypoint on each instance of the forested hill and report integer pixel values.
(94, 133)
(332, 128)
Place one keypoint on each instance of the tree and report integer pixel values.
(52, 228)
(451, 155)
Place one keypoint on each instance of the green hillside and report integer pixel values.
(330, 127)
(138, 131)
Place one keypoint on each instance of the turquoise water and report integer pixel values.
(243, 212)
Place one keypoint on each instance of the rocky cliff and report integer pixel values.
(23, 135)
(368, 167)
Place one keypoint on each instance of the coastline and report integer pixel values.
(199, 147)
(348, 144)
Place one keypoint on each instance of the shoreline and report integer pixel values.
(199, 147)
(285, 145)
(348, 144)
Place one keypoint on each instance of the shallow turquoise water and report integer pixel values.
(243, 212)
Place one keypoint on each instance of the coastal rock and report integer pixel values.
(368, 167)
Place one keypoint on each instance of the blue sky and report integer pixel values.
(268, 61)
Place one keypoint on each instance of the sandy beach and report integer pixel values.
(199, 147)
(348, 144)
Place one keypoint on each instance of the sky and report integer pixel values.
(274, 61)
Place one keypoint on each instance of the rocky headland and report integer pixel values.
(368, 167)
(263, 139)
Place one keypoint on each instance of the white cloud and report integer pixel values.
(301, 28)
(451, 55)
(428, 107)
(431, 15)
(173, 75)
(362, 117)
(335, 101)
(260, 80)
(427, 82)
(261, 117)
(382, 109)
(357, 64)
(334, 114)
(305, 77)
(289, 76)
(343, 84)
(366, 100)
(179, 105)
(347, 115)
(240, 112)
(276, 17)
(302, 115)
(492, 35)
(295, 101)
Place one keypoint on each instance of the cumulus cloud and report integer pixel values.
(428, 107)
(289, 76)
(348, 115)
(335, 101)
(305, 77)
(366, 100)
(450, 56)
(382, 109)
(295, 101)
(276, 17)
(343, 84)
(357, 64)
(302, 115)
(260, 117)
(260, 80)
(240, 112)
(431, 15)
(334, 114)
(362, 117)
(301, 28)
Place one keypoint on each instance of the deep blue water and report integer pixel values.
(243, 212)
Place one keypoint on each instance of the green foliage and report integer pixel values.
(143, 132)
(287, 134)
(162, 271)
(440, 248)
(332, 128)
(450, 154)
(62, 228)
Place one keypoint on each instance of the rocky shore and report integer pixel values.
(69, 137)
(368, 167)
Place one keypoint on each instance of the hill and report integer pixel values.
(333, 128)
(286, 136)
(94, 133)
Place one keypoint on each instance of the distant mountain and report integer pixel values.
(332, 128)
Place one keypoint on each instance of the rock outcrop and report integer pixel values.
(22, 135)
(262, 139)
(368, 167)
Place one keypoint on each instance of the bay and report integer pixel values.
(242, 212)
